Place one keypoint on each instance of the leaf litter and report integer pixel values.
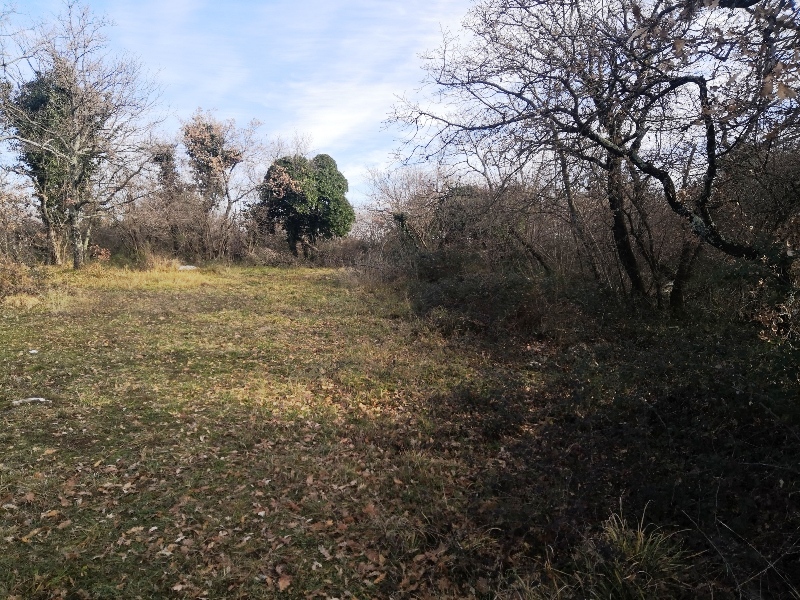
(283, 435)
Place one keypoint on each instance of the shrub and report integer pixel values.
(16, 278)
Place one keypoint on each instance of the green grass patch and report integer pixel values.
(261, 433)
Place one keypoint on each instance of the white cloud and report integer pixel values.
(331, 69)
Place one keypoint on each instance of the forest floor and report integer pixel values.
(261, 433)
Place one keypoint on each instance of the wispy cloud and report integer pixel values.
(331, 69)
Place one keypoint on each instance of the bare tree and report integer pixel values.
(662, 91)
(77, 116)
(226, 164)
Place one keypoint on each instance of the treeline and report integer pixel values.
(645, 152)
(484, 258)
(89, 178)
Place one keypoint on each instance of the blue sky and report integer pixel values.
(328, 69)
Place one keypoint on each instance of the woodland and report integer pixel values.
(554, 357)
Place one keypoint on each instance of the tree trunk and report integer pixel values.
(75, 237)
(53, 246)
(174, 233)
(53, 241)
(691, 249)
(577, 227)
(87, 239)
(622, 238)
(531, 250)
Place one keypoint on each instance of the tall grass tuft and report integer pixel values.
(619, 562)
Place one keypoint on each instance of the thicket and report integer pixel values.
(528, 258)
(685, 411)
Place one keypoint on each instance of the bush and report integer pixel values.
(16, 278)
(481, 303)
(341, 252)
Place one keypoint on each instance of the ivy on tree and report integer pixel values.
(39, 107)
(307, 199)
(77, 118)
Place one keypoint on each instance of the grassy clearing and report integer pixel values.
(253, 433)
(210, 434)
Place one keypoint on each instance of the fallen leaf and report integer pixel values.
(482, 586)
(28, 537)
(284, 582)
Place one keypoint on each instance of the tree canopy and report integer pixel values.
(213, 155)
(307, 199)
(36, 110)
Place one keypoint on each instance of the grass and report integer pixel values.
(260, 433)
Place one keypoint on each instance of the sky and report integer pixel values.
(327, 69)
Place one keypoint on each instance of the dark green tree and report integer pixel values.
(307, 199)
(39, 108)
(78, 118)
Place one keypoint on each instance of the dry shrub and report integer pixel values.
(780, 319)
(96, 252)
(16, 279)
(341, 252)
(263, 256)
(146, 258)
(490, 304)
(159, 262)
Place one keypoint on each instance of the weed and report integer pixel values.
(619, 562)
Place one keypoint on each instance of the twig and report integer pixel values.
(771, 467)
(778, 419)
(28, 401)
(770, 564)
(721, 555)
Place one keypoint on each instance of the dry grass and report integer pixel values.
(261, 433)
(214, 434)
